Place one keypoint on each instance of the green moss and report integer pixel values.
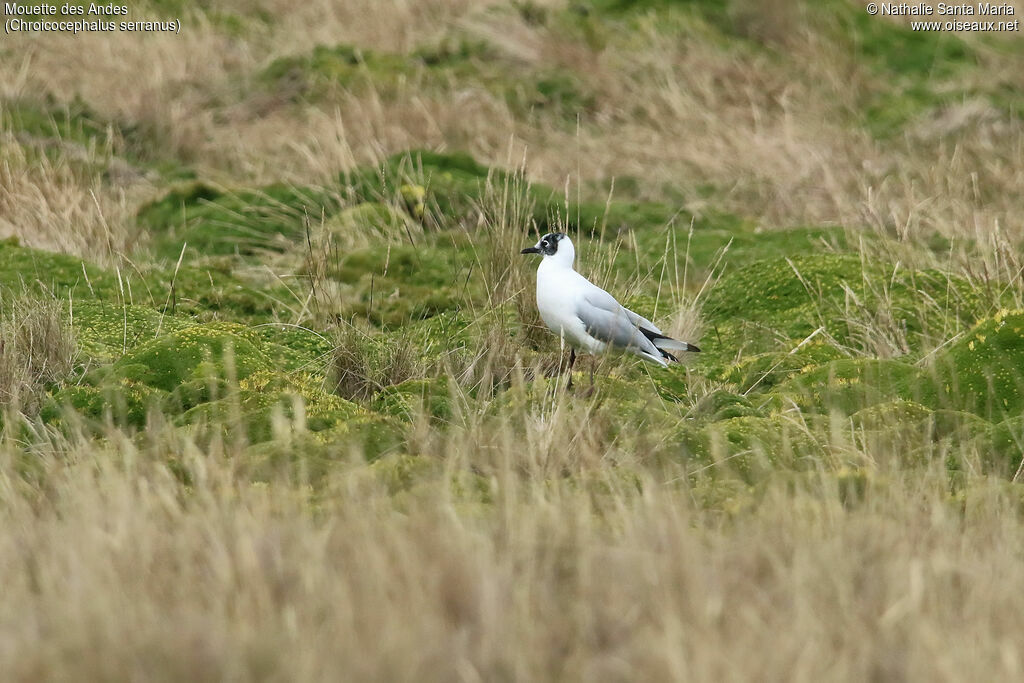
(221, 376)
(768, 290)
(884, 415)
(225, 21)
(631, 401)
(215, 291)
(914, 73)
(309, 457)
(115, 144)
(105, 332)
(981, 373)
(58, 274)
(445, 334)
(770, 304)
(847, 385)
(554, 90)
(71, 122)
(742, 243)
(721, 404)
(294, 348)
(727, 495)
(246, 222)
(413, 397)
(898, 430)
(909, 74)
(266, 397)
(760, 372)
(402, 472)
(391, 285)
(195, 289)
(450, 186)
(989, 496)
(409, 478)
(899, 52)
(751, 447)
(597, 217)
(304, 457)
(340, 65)
(958, 425)
(194, 352)
(454, 187)
(124, 401)
(711, 8)
(369, 223)
(931, 304)
(327, 70)
(1001, 448)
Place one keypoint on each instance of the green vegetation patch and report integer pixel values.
(71, 122)
(781, 302)
(369, 223)
(243, 223)
(119, 145)
(440, 189)
(267, 403)
(751, 447)
(188, 290)
(770, 290)
(211, 350)
(330, 69)
(393, 285)
(216, 374)
(915, 73)
(1001, 448)
(106, 331)
(762, 371)
(722, 404)
(983, 373)
(430, 396)
(58, 275)
(847, 386)
(444, 189)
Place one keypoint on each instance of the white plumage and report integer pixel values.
(586, 316)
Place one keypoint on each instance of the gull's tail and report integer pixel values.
(666, 344)
(669, 344)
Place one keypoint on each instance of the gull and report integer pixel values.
(586, 316)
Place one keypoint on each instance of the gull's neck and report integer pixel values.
(561, 259)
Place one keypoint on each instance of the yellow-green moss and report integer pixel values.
(983, 373)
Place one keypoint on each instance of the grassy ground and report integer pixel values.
(276, 403)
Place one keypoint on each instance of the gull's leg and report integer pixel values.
(590, 390)
(572, 361)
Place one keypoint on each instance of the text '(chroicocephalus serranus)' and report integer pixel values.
(586, 316)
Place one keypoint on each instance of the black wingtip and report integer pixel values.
(654, 337)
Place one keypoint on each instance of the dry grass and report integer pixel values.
(62, 203)
(362, 365)
(115, 570)
(549, 544)
(36, 349)
(772, 137)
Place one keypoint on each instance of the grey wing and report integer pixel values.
(601, 299)
(641, 321)
(614, 327)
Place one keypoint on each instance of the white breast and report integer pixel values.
(558, 290)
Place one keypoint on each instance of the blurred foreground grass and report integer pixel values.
(277, 405)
